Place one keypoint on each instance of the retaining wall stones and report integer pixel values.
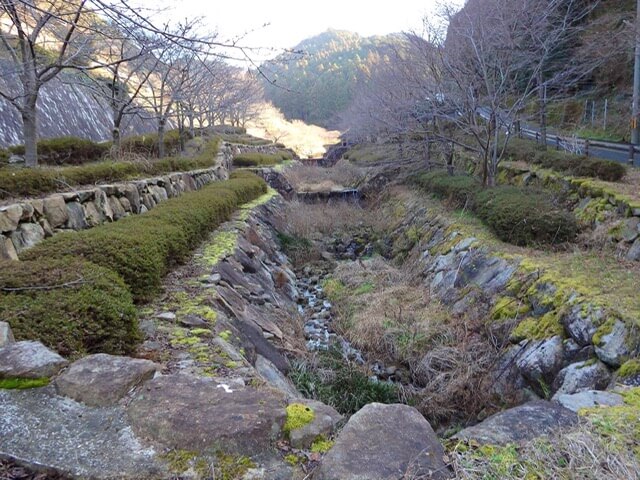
(24, 224)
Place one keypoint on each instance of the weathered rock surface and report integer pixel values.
(101, 379)
(6, 335)
(324, 422)
(520, 424)
(617, 345)
(541, 360)
(274, 377)
(580, 324)
(589, 399)
(29, 360)
(55, 210)
(588, 375)
(45, 431)
(384, 442)
(191, 413)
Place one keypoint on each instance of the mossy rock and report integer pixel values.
(70, 305)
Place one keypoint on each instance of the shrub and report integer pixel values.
(67, 151)
(517, 215)
(340, 383)
(147, 144)
(524, 217)
(70, 305)
(142, 248)
(255, 159)
(28, 181)
(229, 130)
(577, 165)
(461, 189)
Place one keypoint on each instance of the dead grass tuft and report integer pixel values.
(578, 453)
(384, 314)
(307, 178)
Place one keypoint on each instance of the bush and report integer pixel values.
(147, 144)
(229, 130)
(93, 313)
(255, 159)
(143, 248)
(524, 217)
(517, 215)
(36, 181)
(67, 151)
(576, 165)
(340, 383)
(461, 189)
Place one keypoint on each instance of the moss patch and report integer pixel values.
(22, 383)
(321, 445)
(221, 246)
(538, 328)
(232, 467)
(508, 308)
(298, 415)
(630, 368)
(180, 461)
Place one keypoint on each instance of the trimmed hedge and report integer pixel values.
(143, 248)
(255, 159)
(576, 165)
(93, 313)
(67, 150)
(36, 181)
(524, 217)
(517, 215)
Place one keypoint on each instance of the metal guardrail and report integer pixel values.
(582, 146)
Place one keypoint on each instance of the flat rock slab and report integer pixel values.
(45, 431)
(29, 360)
(589, 399)
(520, 424)
(101, 380)
(384, 442)
(191, 413)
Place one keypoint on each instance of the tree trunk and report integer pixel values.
(115, 137)
(542, 107)
(161, 151)
(30, 132)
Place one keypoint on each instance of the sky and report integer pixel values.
(291, 21)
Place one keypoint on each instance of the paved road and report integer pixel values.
(618, 152)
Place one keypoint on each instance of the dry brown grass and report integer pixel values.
(317, 220)
(578, 454)
(307, 178)
(382, 312)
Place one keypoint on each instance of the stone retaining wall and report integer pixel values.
(24, 224)
(559, 340)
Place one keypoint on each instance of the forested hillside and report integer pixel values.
(319, 84)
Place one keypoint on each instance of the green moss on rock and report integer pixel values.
(22, 383)
(630, 368)
(298, 415)
(531, 328)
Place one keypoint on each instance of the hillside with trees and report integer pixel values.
(319, 82)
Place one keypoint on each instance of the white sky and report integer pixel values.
(291, 21)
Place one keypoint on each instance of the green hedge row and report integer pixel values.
(576, 165)
(75, 292)
(143, 248)
(37, 181)
(255, 159)
(70, 305)
(518, 215)
(67, 150)
(147, 144)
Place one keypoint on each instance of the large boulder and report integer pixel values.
(384, 442)
(588, 375)
(48, 432)
(29, 360)
(100, 380)
(55, 210)
(615, 342)
(191, 413)
(540, 361)
(520, 424)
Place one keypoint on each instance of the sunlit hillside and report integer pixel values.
(307, 141)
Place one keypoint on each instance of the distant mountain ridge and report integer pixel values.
(320, 83)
